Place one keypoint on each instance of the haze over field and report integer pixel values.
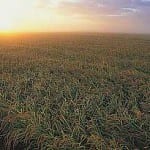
(75, 15)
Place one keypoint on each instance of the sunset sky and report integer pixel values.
(75, 15)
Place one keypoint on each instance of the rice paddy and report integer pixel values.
(77, 91)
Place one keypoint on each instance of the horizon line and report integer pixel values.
(71, 32)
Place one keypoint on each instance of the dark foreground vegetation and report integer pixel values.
(74, 91)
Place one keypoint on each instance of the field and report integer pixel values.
(74, 91)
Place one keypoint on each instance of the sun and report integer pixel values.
(10, 11)
(6, 25)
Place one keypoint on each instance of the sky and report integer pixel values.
(130, 16)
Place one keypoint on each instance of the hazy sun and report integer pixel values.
(5, 25)
(9, 14)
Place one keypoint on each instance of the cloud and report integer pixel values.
(98, 9)
(52, 3)
(133, 12)
(95, 7)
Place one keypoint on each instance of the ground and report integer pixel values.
(74, 91)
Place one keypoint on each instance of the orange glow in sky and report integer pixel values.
(74, 15)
